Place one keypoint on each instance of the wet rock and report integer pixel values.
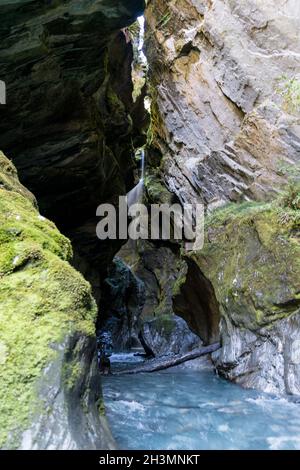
(70, 395)
(225, 129)
(158, 267)
(169, 334)
(194, 299)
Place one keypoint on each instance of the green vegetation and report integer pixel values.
(289, 205)
(252, 257)
(156, 124)
(134, 30)
(42, 300)
(178, 285)
(291, 171)
(71, 373)
(165, 324)
(101, 407)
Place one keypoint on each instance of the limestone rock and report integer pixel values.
(140, 298)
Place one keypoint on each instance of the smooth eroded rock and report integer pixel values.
(50, 390)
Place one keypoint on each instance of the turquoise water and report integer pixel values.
(182, 409)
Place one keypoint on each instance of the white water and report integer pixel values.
(194, 410)
(143, 58)
(142, 165)
(125, 358)
(136, 194)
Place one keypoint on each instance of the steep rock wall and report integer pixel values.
(252, 257)
(223, 125)
(70, 126)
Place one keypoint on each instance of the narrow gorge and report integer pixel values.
(171, 103)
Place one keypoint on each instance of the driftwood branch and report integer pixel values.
(154, 365)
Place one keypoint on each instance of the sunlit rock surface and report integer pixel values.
(223, 118)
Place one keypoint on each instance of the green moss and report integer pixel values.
(289, 170)
(252, 257)
(156, 122)
(9, 179)
(72, 373)
(156, 191)
(234, 211)
(101, 407)
(42, 300)
(115, 105)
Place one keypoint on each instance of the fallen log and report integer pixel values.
(154, 365)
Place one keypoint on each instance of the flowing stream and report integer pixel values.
(182, 409)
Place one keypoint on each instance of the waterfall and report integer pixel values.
(143, 58)
(142, 165)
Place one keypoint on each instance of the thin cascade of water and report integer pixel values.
(136, 194)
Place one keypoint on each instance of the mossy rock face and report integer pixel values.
(252, 258)
(43, 301)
